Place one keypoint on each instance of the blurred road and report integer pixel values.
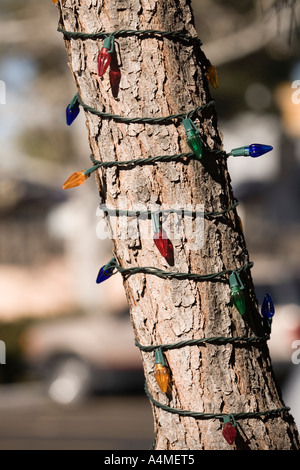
(29, 421)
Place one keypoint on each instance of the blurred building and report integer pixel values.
(49, 252)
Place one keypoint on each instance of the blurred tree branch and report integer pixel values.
(278, 6)
(277, 17)
(252, 38)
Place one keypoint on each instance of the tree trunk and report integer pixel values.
(160, 77)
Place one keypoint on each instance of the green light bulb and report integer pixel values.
(193, 137)
(237, 293)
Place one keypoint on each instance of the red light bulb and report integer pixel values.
(114, 78)
(114, 75)
(104, 56)
(161, 240)
(229, 432)
(103, 61)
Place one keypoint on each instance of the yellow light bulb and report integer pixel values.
(212, 76)
(76, 179)
(162, 377)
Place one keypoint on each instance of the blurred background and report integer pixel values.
(73, 377)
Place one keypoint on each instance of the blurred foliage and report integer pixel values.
(270, 65)
(236, 78)
(48, 144)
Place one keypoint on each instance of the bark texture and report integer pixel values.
(162, 77)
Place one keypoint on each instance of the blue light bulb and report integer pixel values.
(253, 150)
(104, 274)
(256, 150)
(106, 271)
(72, 112)
(267, 309)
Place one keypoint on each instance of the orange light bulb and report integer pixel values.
(162, 377)
(212, 76)
(161, 372)
(76, 179)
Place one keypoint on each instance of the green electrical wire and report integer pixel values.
(175, 35)
(200, 415)
(140, 120)
(142, 161)
(158, 158)
(147, 213)
(200, 341)
(253, 340)
(113, 265)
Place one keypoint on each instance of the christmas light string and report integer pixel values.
(198, 150)
(158, 158)
(76, 101)
(174, 35)
(147, 213)
(200, 415)
(77, 178)
(199, 341)
(113, 267)
(163, 378)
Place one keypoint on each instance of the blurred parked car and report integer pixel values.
(96, 353)
(78, 356)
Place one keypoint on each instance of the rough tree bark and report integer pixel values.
(162, 77)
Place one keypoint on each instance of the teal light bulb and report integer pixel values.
(237, 292)
(193, 137)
